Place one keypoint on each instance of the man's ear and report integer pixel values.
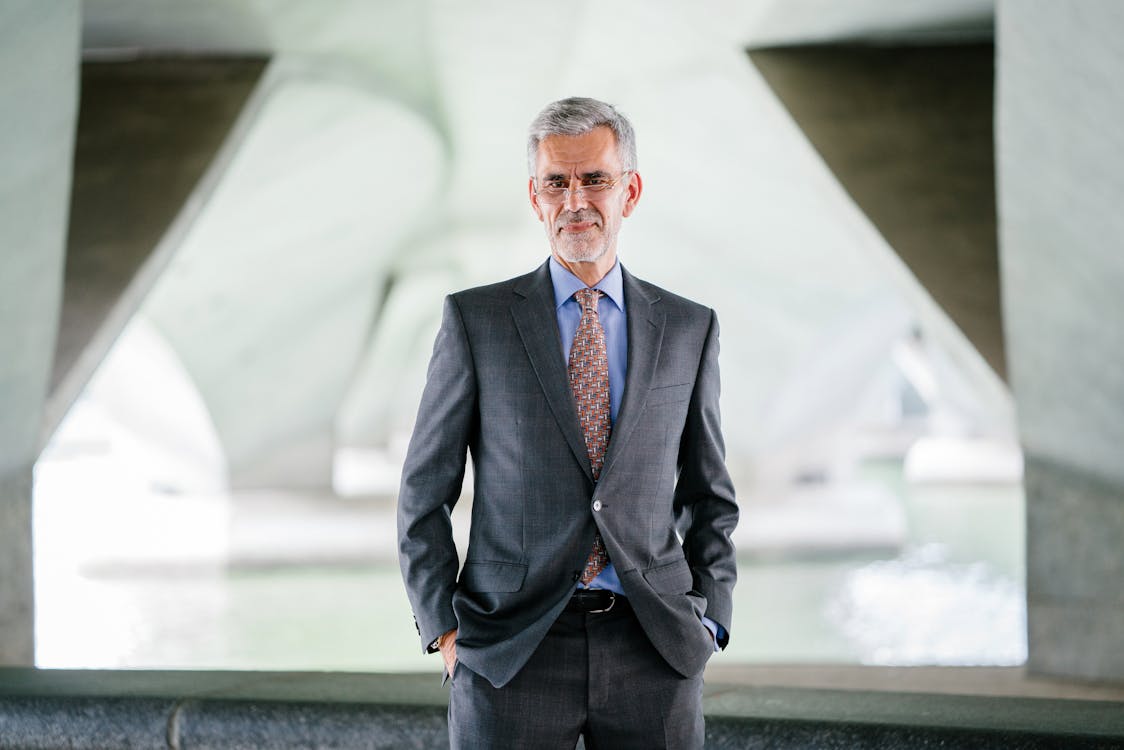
(635, 188)
(534, 198)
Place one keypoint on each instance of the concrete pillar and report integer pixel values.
(1060, 158)
(1075, 571)
(907, 130)
(148, 130)
(17, 601)
(39, 45)
(267, 303)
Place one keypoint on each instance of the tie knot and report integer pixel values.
(587, 298)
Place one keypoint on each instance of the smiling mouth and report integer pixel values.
(577, 227)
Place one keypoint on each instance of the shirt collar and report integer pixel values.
(566, 283)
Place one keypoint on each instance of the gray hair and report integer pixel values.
(579, 115)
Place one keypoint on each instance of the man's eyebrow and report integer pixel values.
(584, 175)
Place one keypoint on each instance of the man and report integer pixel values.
(599, 571)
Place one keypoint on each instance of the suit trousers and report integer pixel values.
(594, 675)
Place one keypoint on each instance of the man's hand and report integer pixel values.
(447, 645)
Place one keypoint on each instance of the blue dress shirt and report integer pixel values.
(611, 311)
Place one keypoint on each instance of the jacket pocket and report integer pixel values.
(500, 577)
(672, 578)
(669, 394)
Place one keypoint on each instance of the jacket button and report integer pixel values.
(597, 505)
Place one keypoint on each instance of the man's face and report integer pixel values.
(583, 227)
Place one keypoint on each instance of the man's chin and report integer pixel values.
(580, 255)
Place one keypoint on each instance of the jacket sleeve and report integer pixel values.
(704, 494)
(432, 477)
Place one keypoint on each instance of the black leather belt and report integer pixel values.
(594, 601)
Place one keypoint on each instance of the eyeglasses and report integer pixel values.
(592, 187)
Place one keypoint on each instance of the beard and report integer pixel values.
(586, 247)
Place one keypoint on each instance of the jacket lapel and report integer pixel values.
(537, 323)
(645, 336)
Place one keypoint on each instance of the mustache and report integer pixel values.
(577, 217)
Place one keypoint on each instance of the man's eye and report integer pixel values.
(595, 182)
(555, 185)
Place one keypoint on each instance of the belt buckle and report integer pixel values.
(612, 601)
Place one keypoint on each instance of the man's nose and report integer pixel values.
(575, 198)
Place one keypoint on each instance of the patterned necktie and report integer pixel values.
(589, 382)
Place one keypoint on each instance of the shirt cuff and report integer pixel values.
(717, 632)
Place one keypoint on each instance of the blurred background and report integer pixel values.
(228, 226)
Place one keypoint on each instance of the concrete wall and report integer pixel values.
(1060, 157)
(39, 45)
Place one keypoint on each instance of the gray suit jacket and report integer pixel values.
(497, 388)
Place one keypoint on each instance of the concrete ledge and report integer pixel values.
(143, 709)
(784, 717)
